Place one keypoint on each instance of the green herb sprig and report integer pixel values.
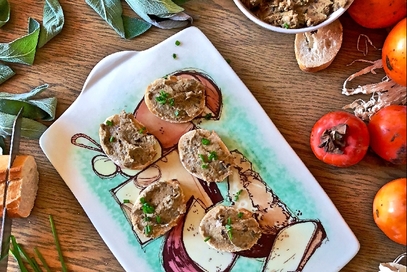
(237, 194)
(162, 97)
(24, 259)
(229, 228)
(146, 207)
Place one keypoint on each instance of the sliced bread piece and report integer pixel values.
(126, 141)
(204, 155)
(316, 50)
(158, 208)
(229, 229)
(23, 185)
(175, 99)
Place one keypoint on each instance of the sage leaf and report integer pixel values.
(25, 96)
(52, 22)
(22, 50)
(111, 11)
(42, 109)
(163, 9)
(2, 146)
(5, 72)
(48, 105)
(4, 12)
(134, 27)
(29, 128)
(38, 109)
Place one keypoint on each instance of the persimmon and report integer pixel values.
(339, 138)
(387, 129)
(377, 13)
(394, 53)
(389, 210)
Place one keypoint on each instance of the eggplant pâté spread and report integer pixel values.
(126, 142)
(204, 155)
(293, 13)
(230, 229)
(158, 208)
(175, 99)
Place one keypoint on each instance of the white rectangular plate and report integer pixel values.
(304, 229)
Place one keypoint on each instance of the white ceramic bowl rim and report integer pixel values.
(335, 15)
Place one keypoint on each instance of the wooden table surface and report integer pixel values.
(265, 62)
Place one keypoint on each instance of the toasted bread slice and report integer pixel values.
(175, 99)
(23, 185)
(158, 208)
(316, 50)
(230, 229)
(204, 155)
(126, 141)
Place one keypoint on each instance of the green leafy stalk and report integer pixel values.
(16, 253)
(33, 264)
(56, 240)
(43, 262)
(5, 72)
(52, 22)
(4, 12)
(22, 50)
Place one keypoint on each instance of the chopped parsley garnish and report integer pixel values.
(207, 239)
(112, 139)
(158, 219)
(228, 227)
(205, 141)
(146, 207)
(147, 219)
(240, 215)
(286, 26)
(171, 101)
(237, 195)
(126, 200)
(147, 229)
(109, 123)
(162, 98)
(142, 130)
(213, 156)
(208, 116)
(177, 43)
(174, 56)
(204, 166)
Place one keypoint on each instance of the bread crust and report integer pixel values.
(168, 205)
(23, 185)
(126, 141)
(229, 229)
(316, 50)
(196, 156)
(175, 99)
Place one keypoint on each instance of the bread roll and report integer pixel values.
(158, 208)
(175, 99)
(126, 142)
(316, 50)
(204, 155)
(23, 185)
(230, 229)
